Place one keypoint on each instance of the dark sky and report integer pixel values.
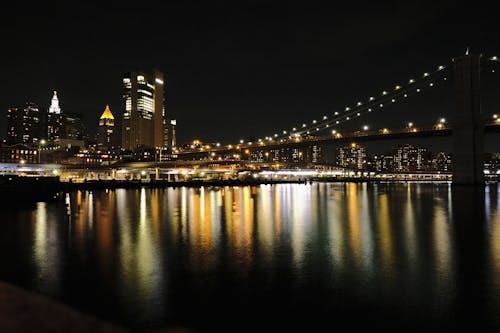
(239, 68)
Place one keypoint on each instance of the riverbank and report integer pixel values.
(23, 311)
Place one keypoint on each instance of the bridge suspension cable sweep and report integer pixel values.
(371, 104)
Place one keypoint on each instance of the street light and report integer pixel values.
(40, 145)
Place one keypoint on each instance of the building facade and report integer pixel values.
(352, 157)
(55, 120)
(144, 114)
(24, 124)
(106, 129)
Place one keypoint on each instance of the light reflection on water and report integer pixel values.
(152, 257)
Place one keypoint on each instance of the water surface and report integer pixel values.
(410, 256)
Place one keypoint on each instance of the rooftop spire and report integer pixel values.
(54, 105)
(107, 113)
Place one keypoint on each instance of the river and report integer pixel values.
(408, 256)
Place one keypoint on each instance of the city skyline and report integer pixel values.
(245, 63)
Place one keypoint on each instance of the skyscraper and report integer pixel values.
(55, 120)
(143, 118)
(24, 124)
(106, 129)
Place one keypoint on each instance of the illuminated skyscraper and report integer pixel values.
(144, 114)
(54, 104)
(54, 120)
(106, 129)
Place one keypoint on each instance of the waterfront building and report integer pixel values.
(352, 157)
(144, 114)
(18, 153)
(408, 158)
(442, 162)
(383, 163)
(289, 155)
(24, 124)
(105, 131)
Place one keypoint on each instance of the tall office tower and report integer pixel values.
(143, 118)
(55, 120)
(24, 124)
(105, 132)
(73, 127)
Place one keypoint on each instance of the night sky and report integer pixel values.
(237, 69)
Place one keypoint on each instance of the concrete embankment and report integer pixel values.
(131, 184)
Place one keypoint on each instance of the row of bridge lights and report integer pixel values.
(370, 99)
(441, 124)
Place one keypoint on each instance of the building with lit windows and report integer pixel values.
(18, 153)
(352, 157)
(105, 132)
(24, 124)
(144, 114)
(410, 158)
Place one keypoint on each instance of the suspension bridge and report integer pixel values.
(467, 125)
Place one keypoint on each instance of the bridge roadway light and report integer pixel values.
(442, 120)
(365, 128)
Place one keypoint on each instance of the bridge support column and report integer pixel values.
(468, 129)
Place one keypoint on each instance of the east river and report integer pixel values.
(408, 255)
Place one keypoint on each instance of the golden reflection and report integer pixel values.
(248, 214)
(155, 212)
(265, 220)
(384, 222)
(367, 243)
(299, 206)
(277, 212)
(104, 228)
(410, 239)
(441, 242)
(494, 240)
(46, 251)
(353, 221)
(336, 228)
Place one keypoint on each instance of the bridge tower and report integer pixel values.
(468, 128)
